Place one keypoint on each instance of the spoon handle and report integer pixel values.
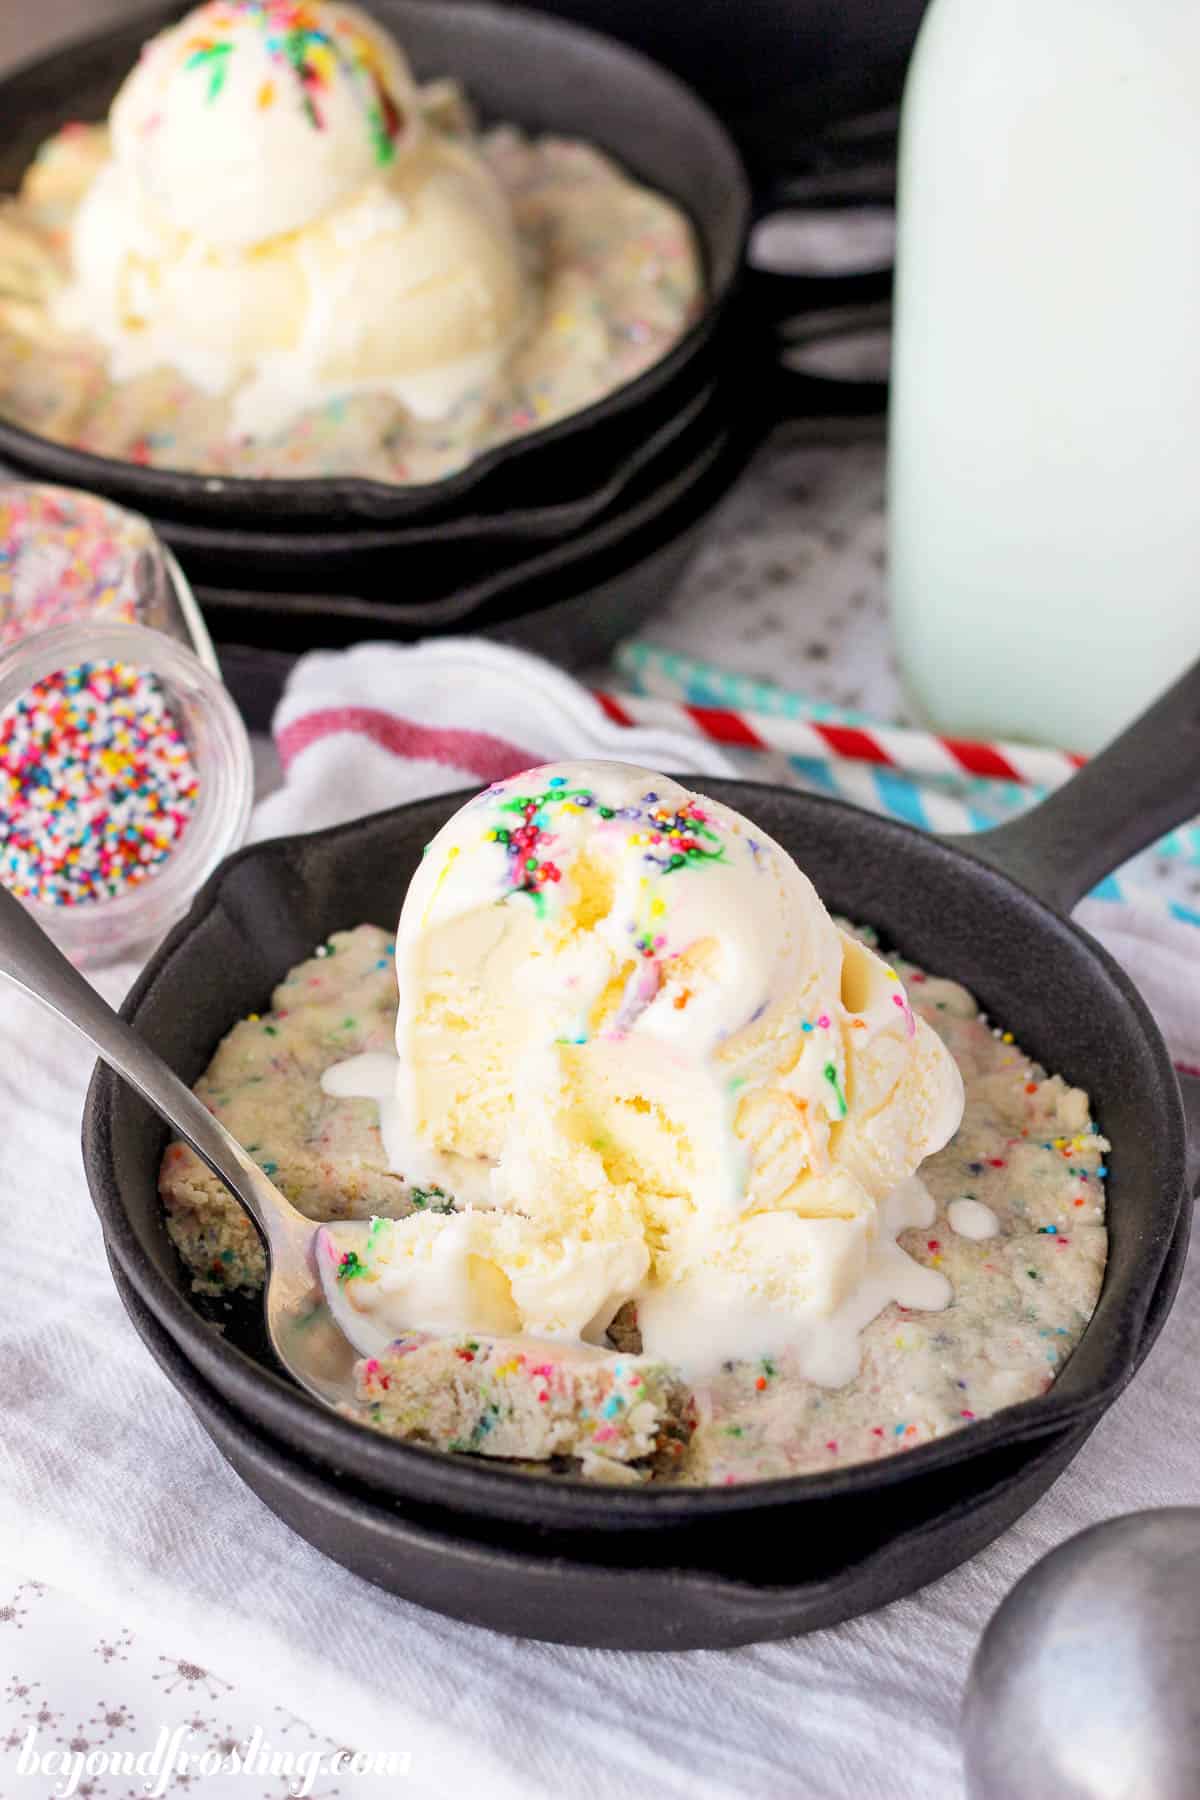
(30, 960)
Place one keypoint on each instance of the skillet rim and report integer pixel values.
(700, 1584)
(758, 1604)
(366, 498)
(382, 1462)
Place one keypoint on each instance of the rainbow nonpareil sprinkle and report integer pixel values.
(66, 557)
(670, 839)
(96, 785)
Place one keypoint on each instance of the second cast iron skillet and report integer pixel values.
(547, 76)
(987, 910)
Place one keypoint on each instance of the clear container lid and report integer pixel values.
(125, 769)
(67, 557)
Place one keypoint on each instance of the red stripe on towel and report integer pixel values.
(476, 752)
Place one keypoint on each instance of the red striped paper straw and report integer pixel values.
(888, 746)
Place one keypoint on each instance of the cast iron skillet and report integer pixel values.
(573, 615)
(570, 605)
(412, 595)
(987, 910)
(672, 1591)
(595, 581)
(442, 565)
(549, 77)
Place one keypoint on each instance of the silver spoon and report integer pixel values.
(300, 1324)
(1085, 1685)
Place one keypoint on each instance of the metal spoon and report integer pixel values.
(300, 1325)
(1084, 1685)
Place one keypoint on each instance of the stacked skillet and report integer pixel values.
(563, 538)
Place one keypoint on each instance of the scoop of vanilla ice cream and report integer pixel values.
(628, 1023)
(275, 222)
(252, 118)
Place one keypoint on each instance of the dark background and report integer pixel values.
(776, 70)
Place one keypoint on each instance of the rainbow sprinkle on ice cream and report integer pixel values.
(312, 47)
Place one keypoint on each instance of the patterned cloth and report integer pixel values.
(84, 1697)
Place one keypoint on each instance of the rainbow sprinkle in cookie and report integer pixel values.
(501, 1397)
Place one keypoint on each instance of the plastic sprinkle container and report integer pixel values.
(125, 770)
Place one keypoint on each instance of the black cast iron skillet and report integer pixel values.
(396, 596)
(571, 603)
(418, 566)
(987, 910)
(549, 77)
(675, 1590)
(571, 610)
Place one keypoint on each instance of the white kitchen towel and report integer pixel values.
(366, 728)
(110, 1491)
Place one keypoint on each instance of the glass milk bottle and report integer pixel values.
(1044, 459)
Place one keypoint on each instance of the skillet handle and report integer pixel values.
(795, 309)
(797, 394)
(777, 296)
(1139, 787)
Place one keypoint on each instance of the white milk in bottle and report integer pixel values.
(1044, 460)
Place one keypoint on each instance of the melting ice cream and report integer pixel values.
(638, 1061)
